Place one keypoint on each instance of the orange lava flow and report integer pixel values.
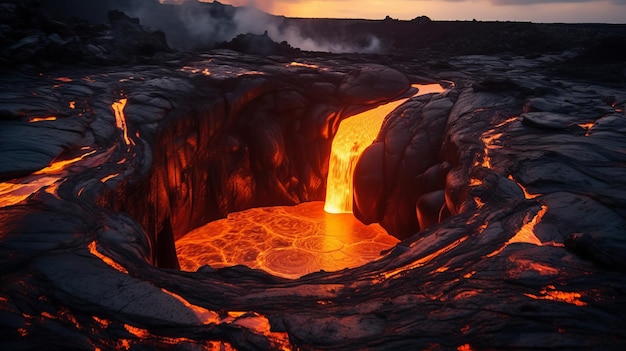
(526, 234)
(285, 241)
(120, 119)
(17, 190)
(353, 136)
(109, 177)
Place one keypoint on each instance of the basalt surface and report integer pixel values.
(507, 190)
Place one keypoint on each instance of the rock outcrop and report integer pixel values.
(31, 36)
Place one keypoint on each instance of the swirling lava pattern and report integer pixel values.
(285, 241)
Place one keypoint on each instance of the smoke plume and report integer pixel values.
(191, 25)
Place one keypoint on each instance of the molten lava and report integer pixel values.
(17, 190)
(353, 136)
(293, 241)
(120, 120)
(285, 241)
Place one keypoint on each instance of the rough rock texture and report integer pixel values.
(30, 35)
(405, 153)
(508, 189)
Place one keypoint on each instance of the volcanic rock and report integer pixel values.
(373, 84)
(529, 167)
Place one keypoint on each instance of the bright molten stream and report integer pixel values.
(353, 136)
(285, 241)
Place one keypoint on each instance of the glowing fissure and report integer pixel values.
(422, 261)
(93, 249)
(353, 136)
(527, 195)
(526, 234)
(16, 191)
(109, 177)
(550, 293)
(41, 119)
(491, 140)
(120, 120)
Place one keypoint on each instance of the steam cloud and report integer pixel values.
(190, 24)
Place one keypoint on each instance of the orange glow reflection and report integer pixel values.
(109, 177)
(64, 79)
(526, 234)
(286, 241)
(354, 135)
(422, 261)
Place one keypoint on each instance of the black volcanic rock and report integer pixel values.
(258, 45)
(133, 39)
(373, 84)
(33, 36)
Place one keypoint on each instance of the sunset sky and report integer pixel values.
(546, 11)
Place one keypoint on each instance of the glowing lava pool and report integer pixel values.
(287, 241)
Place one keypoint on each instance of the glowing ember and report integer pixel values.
(354, 135)
(465, 347)
(285, 241)
(64, 79)
(72, 105)
(120, 119)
